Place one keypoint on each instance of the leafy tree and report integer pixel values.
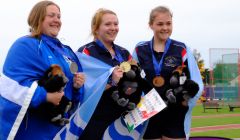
(223, 73)
(206, 74)
(200, 63)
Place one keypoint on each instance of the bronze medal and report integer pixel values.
(73, 67)
(158, 81)
(125, 66)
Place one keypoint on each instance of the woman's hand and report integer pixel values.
(78, 80)
(117, 74)
(55, 97)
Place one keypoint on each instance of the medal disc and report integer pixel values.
(73, 67)
(125, 66)
(158, 81)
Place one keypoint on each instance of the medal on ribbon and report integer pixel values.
(73, 67)
(125, 66)
(158, 81)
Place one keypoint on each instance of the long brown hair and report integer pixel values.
(37, 15)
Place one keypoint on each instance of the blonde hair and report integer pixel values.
(97, 20)
(37, 15)
(158, 9)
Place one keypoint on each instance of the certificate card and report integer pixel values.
(149, 105)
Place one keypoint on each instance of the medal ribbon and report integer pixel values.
(56, 45)
(118, 56)
(158, 66)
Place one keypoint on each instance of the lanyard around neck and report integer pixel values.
(118, 56)
(158, 65)
(56, 45)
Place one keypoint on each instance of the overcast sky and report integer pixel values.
(200, 24)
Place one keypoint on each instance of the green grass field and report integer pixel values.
(201, 122)
(198, 111)
(228, 133)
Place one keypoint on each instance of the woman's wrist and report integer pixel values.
(111, 82)
(114, 83)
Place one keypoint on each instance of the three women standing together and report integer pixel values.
(30, 56)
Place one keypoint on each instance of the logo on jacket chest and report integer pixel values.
(170, 61)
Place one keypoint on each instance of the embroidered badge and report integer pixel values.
(170, 61)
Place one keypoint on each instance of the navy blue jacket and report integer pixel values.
(174, 57)
(92, 49)
(107, 110)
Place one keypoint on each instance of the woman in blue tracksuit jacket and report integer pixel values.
(105, 29)
(27, 60)
(159, 57)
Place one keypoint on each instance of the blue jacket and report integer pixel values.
(107, 111)
(177, 54)
(26, 62)
(173, 58)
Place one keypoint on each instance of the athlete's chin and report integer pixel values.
(164, 37)
(54, 33)
(111, 39)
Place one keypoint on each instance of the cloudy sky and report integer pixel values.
(200, 24)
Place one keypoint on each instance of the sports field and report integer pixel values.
(212, 123)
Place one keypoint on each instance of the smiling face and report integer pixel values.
(51, 24)
(108, 28)
(162, 25)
